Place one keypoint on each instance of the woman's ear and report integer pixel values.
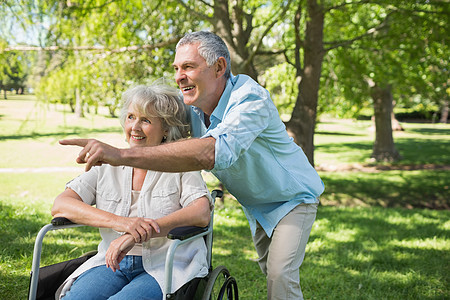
(166, 134)
(221, 67)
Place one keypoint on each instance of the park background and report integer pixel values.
(362, 86)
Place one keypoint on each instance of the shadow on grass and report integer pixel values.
(353, 253)
(377, 254)
(232, 247)
(414, 151)
(335, 133)
(19, 231)
(344, 147)
(418, 189)
(423, 151)
(78, 131)
(14, 228)
(432, 131)
(13, 285)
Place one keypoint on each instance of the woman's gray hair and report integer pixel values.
(211, 47)
(161, 101)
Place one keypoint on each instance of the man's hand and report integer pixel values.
(95, 153)
(117, 250)
(142, 229)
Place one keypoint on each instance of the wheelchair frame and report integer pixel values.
(180, 236)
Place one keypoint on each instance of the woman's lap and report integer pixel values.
(130, 282)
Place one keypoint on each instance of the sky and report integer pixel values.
(12, 28)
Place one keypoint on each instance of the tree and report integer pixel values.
(394, 65)
(106, 48)
(129, 42)
(308, 71)
(243, 25)
(14, 69)
(383, 148)
(355, 39)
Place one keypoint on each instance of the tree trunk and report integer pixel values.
(72, 107)
(444, 112)
(230, 27)
(78, 103)
(303, 119)
(396, 126)
(383, 148)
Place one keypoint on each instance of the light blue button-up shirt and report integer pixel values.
(255, 158)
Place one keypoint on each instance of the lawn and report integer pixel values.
(375, 236)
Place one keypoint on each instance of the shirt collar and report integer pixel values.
(219, 111)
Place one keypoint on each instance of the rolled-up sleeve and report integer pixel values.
(237, 131)
(193, 187)
(85, 185)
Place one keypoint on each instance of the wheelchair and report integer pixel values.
(217, 284)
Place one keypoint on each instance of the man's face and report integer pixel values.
(197, 81)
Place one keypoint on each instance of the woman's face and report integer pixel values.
(142, 130)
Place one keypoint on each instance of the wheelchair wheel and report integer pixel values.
(220, 284)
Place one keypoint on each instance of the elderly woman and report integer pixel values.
(135, 209)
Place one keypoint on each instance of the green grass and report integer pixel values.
(353, 253)
(30, 131)
(407, 189)
(373, 237)
(374, 253)
(349, 142)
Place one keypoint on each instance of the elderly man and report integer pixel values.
(240, 138)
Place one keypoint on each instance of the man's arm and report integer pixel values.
(180, 156)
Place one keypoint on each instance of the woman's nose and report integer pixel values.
(136, 125)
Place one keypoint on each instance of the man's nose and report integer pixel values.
(179, 75)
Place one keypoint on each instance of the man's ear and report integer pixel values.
(221, 67)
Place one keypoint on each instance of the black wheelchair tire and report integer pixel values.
(228, 288)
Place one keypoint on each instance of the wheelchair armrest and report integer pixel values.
(60, 221)
(182, 233)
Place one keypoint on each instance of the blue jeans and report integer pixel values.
(130, 282)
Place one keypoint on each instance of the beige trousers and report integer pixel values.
(281, 255)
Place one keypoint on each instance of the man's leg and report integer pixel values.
(262, 243)
(283, 253)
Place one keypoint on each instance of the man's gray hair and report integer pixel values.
(211, 48)
(162, 101)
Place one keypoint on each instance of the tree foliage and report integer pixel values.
(108, 46)
(362, 44)
(412, 61)
(314, 56)
(394, 61)
(14, 69)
